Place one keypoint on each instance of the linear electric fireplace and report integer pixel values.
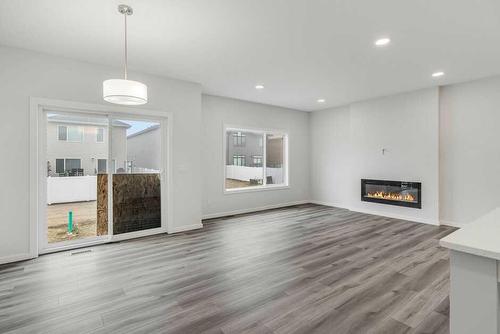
(400, 193)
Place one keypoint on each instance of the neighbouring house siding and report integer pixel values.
(144, 149)
(89, 150)
(252, 147)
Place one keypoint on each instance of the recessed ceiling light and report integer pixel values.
(321, 100)
(382, 41)
(437, 74)
(259, 86)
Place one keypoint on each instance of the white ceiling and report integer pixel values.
(301, 50)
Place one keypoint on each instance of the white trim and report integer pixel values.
(255, 189)
(73, 244)
(16, 258)
(185, 228)
(137, 234)
(34, 172)
(335, 205)
(451, 223)
(261, 208)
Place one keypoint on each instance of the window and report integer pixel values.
(102, 166)
(100, 135)
(239, 139)
(70, 133)
(257, 161)
(239, 160)
(266, 166)
(62, 132)
(73, 164)
(75, 134)
(59, 166)
(67, 165)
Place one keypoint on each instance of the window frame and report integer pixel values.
(263, 132)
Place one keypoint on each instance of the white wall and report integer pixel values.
(218, 111)
(469, 150)
(347, 146)
(26, 74)
(330, 156)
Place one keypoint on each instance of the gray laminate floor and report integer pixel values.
(303, 269)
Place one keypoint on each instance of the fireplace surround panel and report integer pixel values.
(400, 193)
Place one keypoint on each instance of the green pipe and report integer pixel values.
(70, 222)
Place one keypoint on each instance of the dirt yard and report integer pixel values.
(232, 183)
(84, 218)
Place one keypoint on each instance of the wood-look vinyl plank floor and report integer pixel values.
(301, 269)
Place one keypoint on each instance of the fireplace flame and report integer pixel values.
(392, 196)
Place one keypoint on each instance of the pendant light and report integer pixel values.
(124, 91)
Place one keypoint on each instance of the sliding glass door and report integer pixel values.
(103, 178)
(136, 187)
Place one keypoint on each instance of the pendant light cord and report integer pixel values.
(126, 51)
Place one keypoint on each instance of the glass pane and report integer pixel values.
(76, 205)
(75, 133)
(274, 159)
(243, 167)
(59, 166)
(136, 151)
(101, 165)
(72, 164)
(100, 135)
(62, 133)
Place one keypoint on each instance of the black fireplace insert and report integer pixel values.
(399, 193)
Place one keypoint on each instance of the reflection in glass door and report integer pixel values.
(76, 158)
(136, 180)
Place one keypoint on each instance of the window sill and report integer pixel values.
(255, 189)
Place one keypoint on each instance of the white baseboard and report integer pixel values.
(15, 258)
(261, 208)
(336, 205)
(379, 213)
(397, 216)
(185, 228)
(450, 223)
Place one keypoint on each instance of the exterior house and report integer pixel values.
(244, 149)
(143, 149)
(79, 145)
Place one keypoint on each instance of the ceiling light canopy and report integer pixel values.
(382, 41)
(437, 74)
(260, 86)
(124, 91)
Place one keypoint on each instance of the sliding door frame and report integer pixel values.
(38, 173)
